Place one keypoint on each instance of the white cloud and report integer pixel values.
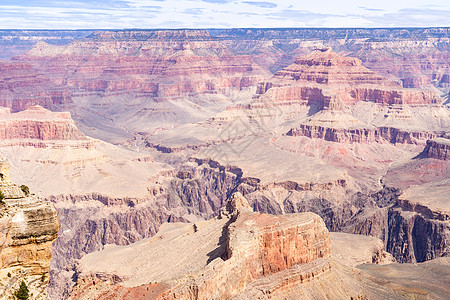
(117, 14)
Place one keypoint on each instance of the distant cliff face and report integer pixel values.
(21, 86)
(438, 148)
(324, 77)
(28, 227)
(162, 64)
(38, 123)
(362, 135)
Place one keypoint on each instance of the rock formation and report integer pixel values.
(245, 255)
(181, 102)
(240, 252)
(326, 78)
(438, 148)
(420, 224)
(21, 86)
(361, 134)
(145, 69)
(29, 226)
(338, 86)
(38, 123)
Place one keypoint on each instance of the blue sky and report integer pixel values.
(118, 14)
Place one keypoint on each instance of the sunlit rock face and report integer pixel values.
(324, 77)
(28, 227)
(231, 255)
(38, 123)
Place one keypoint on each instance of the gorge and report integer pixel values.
(214, 139)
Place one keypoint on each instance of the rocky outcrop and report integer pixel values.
(38, 123)
(412, 57)
(419, 225)
(437, 148)
(324, 77)
(28, 227)
(21, 86)
(362, 135)
(414, 238)
(251, 249)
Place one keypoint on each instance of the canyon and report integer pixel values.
(29, 226)
(347, 129)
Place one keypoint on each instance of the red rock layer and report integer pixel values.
(415, 63)
(362, 135)
(438, 149)
(322, 77)
(160, 64)
(21, 87)
(280, 242)
(38, 123)
(288, 250)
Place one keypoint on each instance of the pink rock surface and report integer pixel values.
(438, 148)
(291, 249)
(166, 65)
(38, 123)
(323, 75)
(21, 86)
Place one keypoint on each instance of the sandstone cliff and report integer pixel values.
(437, 148)
(363, 135)
(29, 226)
(240, 252)
(323, 75)
(244, 255)
(419, 226)
(38, 123)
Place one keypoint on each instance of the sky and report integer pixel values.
(151, 14)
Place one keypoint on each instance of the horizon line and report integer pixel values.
(220, 28)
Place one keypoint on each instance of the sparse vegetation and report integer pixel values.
(25, 189)
(43, 277)
(22, 292)
(2, 196)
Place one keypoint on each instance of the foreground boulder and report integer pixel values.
(28, 227)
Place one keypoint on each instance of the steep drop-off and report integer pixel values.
(28, 226)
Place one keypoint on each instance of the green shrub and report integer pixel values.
(43, 277)
(9, 275)
(22, 292)
(2, 196)
(25, 189)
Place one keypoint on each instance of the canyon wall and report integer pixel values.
(363, 135)
(437, 148)
(251, 248)
(29, 226)
(38, 123)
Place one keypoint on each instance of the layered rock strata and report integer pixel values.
(326, 79)
(38, 123)
(365, 135)
(21, 86)
(28, 227)
(249, 249)
(437, 148)
(419, 226)
(171, 64)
